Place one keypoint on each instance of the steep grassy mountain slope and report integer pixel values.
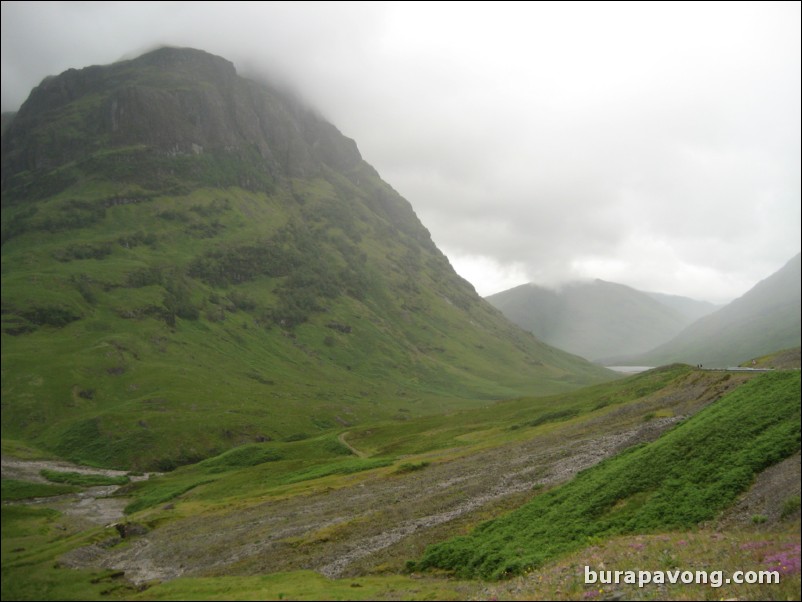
(595, 319)
(192, 261)
(764, 319)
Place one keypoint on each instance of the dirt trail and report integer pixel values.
(354, 450)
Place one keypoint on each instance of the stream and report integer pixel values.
(93, 504)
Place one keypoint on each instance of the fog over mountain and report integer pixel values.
(764, 320)
(598, 319)
(193, 260)
(689, 308)
(652, 144)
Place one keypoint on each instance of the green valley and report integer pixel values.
(244, 523)
(236, 366)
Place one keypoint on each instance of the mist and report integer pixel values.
(654, 145)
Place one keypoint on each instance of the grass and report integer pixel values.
(257, 469)
(33, 540)
(273, 468)
(306, 585)
(80, 479)
(160, 368)
(706, 550)
(406, 467)
(343, 467)
(514, 419)
(23, 451)
(680, 480)
(790, 507)
(252, 470)
(161, 493)
(14, 489)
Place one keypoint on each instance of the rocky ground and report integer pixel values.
(354, 529)
(93, 505)
(377, 521)
(372, 522)
(767, 501)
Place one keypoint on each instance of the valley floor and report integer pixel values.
(360, 529)
(368, 523)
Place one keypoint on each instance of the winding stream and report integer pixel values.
(93, 504)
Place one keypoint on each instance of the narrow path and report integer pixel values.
(354, 450)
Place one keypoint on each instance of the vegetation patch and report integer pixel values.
(80, 479)
(161, 493)
(240, 457)
(564, 578)
(685, 477)
(306, 585)
(790, 507)
(33, 540)
(344, 467)
(557, 416)
(14, 489)
(411, 467)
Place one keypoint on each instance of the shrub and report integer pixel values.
(410, 467)
(790, 507)
(685, 477)
(51, 316)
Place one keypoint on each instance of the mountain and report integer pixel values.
(690, 309)
(597, 319)
(5, 120)
(764, 320)
(192, 261)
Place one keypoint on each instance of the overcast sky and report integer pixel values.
(652, 144)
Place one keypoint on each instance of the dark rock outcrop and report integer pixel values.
(173, 101)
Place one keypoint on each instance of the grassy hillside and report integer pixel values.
(137, 358)
(256, 469)
(684, 478)
(191, 262)
(787, 359)
(766, 318)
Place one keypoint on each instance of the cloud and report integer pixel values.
(655, 143)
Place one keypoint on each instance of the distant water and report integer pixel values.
(629, 369)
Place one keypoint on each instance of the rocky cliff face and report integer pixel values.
(174, 101)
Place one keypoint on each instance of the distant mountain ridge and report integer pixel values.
(763, 320)
(193, 261)
(598, 319)
(689, 309)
